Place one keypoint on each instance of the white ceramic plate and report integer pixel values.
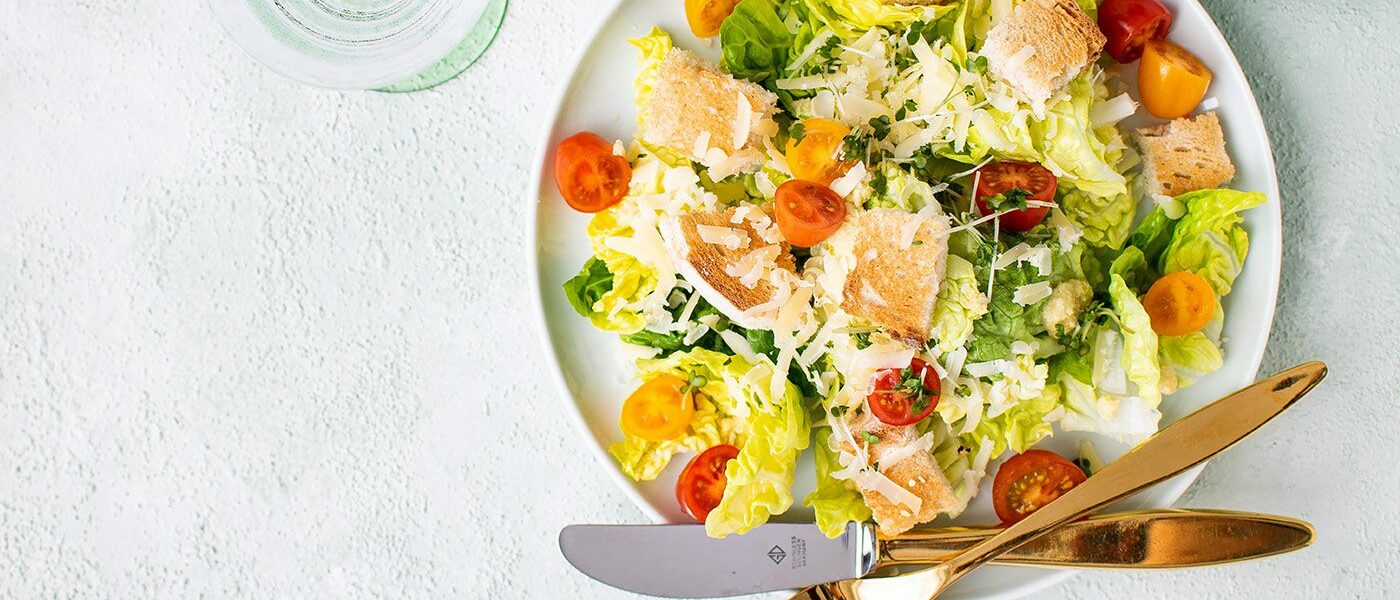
(595, 376)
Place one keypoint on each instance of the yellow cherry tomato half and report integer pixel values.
(1172, 80)
(816, 158)
(1179, 304)
(659, 410)
(705, 16)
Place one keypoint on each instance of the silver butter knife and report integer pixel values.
(680, 561)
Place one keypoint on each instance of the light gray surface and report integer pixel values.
(261, 340)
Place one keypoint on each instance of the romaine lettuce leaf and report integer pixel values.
(1126, 418)
(631, 279)
(835, 502)
(1024, 424)
(1105, 220)
(653, 48)
(755, 42)
(861, 15)
(1196, 355)
(760, 479)
(960, 303)
(1152, 235)
(1208, 240)
(588, 287)
(1132, 266)
(1139, 342)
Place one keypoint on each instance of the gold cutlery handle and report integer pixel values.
(1184, 444)
(1141, 540)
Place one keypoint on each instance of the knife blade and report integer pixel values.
(680, 561)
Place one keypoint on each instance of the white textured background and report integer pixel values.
(259, 340)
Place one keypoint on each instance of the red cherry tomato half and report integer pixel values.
(1129, 24)
(1031, 480)
(1001, 177)
(895, 400)
(701, 485)
(590, 177)
(808, 212)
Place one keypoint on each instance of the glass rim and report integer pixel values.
(240, 20)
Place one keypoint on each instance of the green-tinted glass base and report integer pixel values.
(462, 57)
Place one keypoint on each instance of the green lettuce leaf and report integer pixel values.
(1208, 240)
(1139, 342)
(1191, 357)
(653, 48)
(760, 479)
(584, 290)
(1125, 418)
(835, 502)
(755, 43)
(960, 303)
(1006, 321)
(631, 279)
(1132, 266)
(861, 15)
(1105, 220)
(1024, 424)
(1152, 235)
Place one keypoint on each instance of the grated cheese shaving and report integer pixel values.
(728, 237)
(1031, 293)
(743, 121)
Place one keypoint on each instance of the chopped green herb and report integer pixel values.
(797, 132)
(870, 438)
(1014, 198)
(977, 65)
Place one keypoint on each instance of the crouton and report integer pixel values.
(730, 257)
(708, 115)
(1184, 155)
(917, 473)
(1041, 46)
(899, 262)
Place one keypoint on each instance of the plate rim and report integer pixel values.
(1173, 488)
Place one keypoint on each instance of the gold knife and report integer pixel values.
(1186, 443)
(1153, 539)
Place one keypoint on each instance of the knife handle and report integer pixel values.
(1143, 540)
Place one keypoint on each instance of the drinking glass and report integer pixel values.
(386, 45)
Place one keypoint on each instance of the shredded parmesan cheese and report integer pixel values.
(728, 237)
(1031, 293)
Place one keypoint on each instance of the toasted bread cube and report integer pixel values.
(1041, 46)
(899, 263)
(729, 257)
(1184, 155)
(917, 473)
(708, 115)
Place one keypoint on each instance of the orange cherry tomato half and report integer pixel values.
(705, 16)
(817, 157)
(807, 212)
(701, 485)
(1172, 81)
(1001, 177)
(590, 177)
(659, 410)
(1179, 304)
(1031, 480)
(896, 401)
(1128, 24)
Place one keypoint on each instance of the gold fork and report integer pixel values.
(1184, 444)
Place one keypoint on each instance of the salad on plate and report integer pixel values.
(906, 236)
